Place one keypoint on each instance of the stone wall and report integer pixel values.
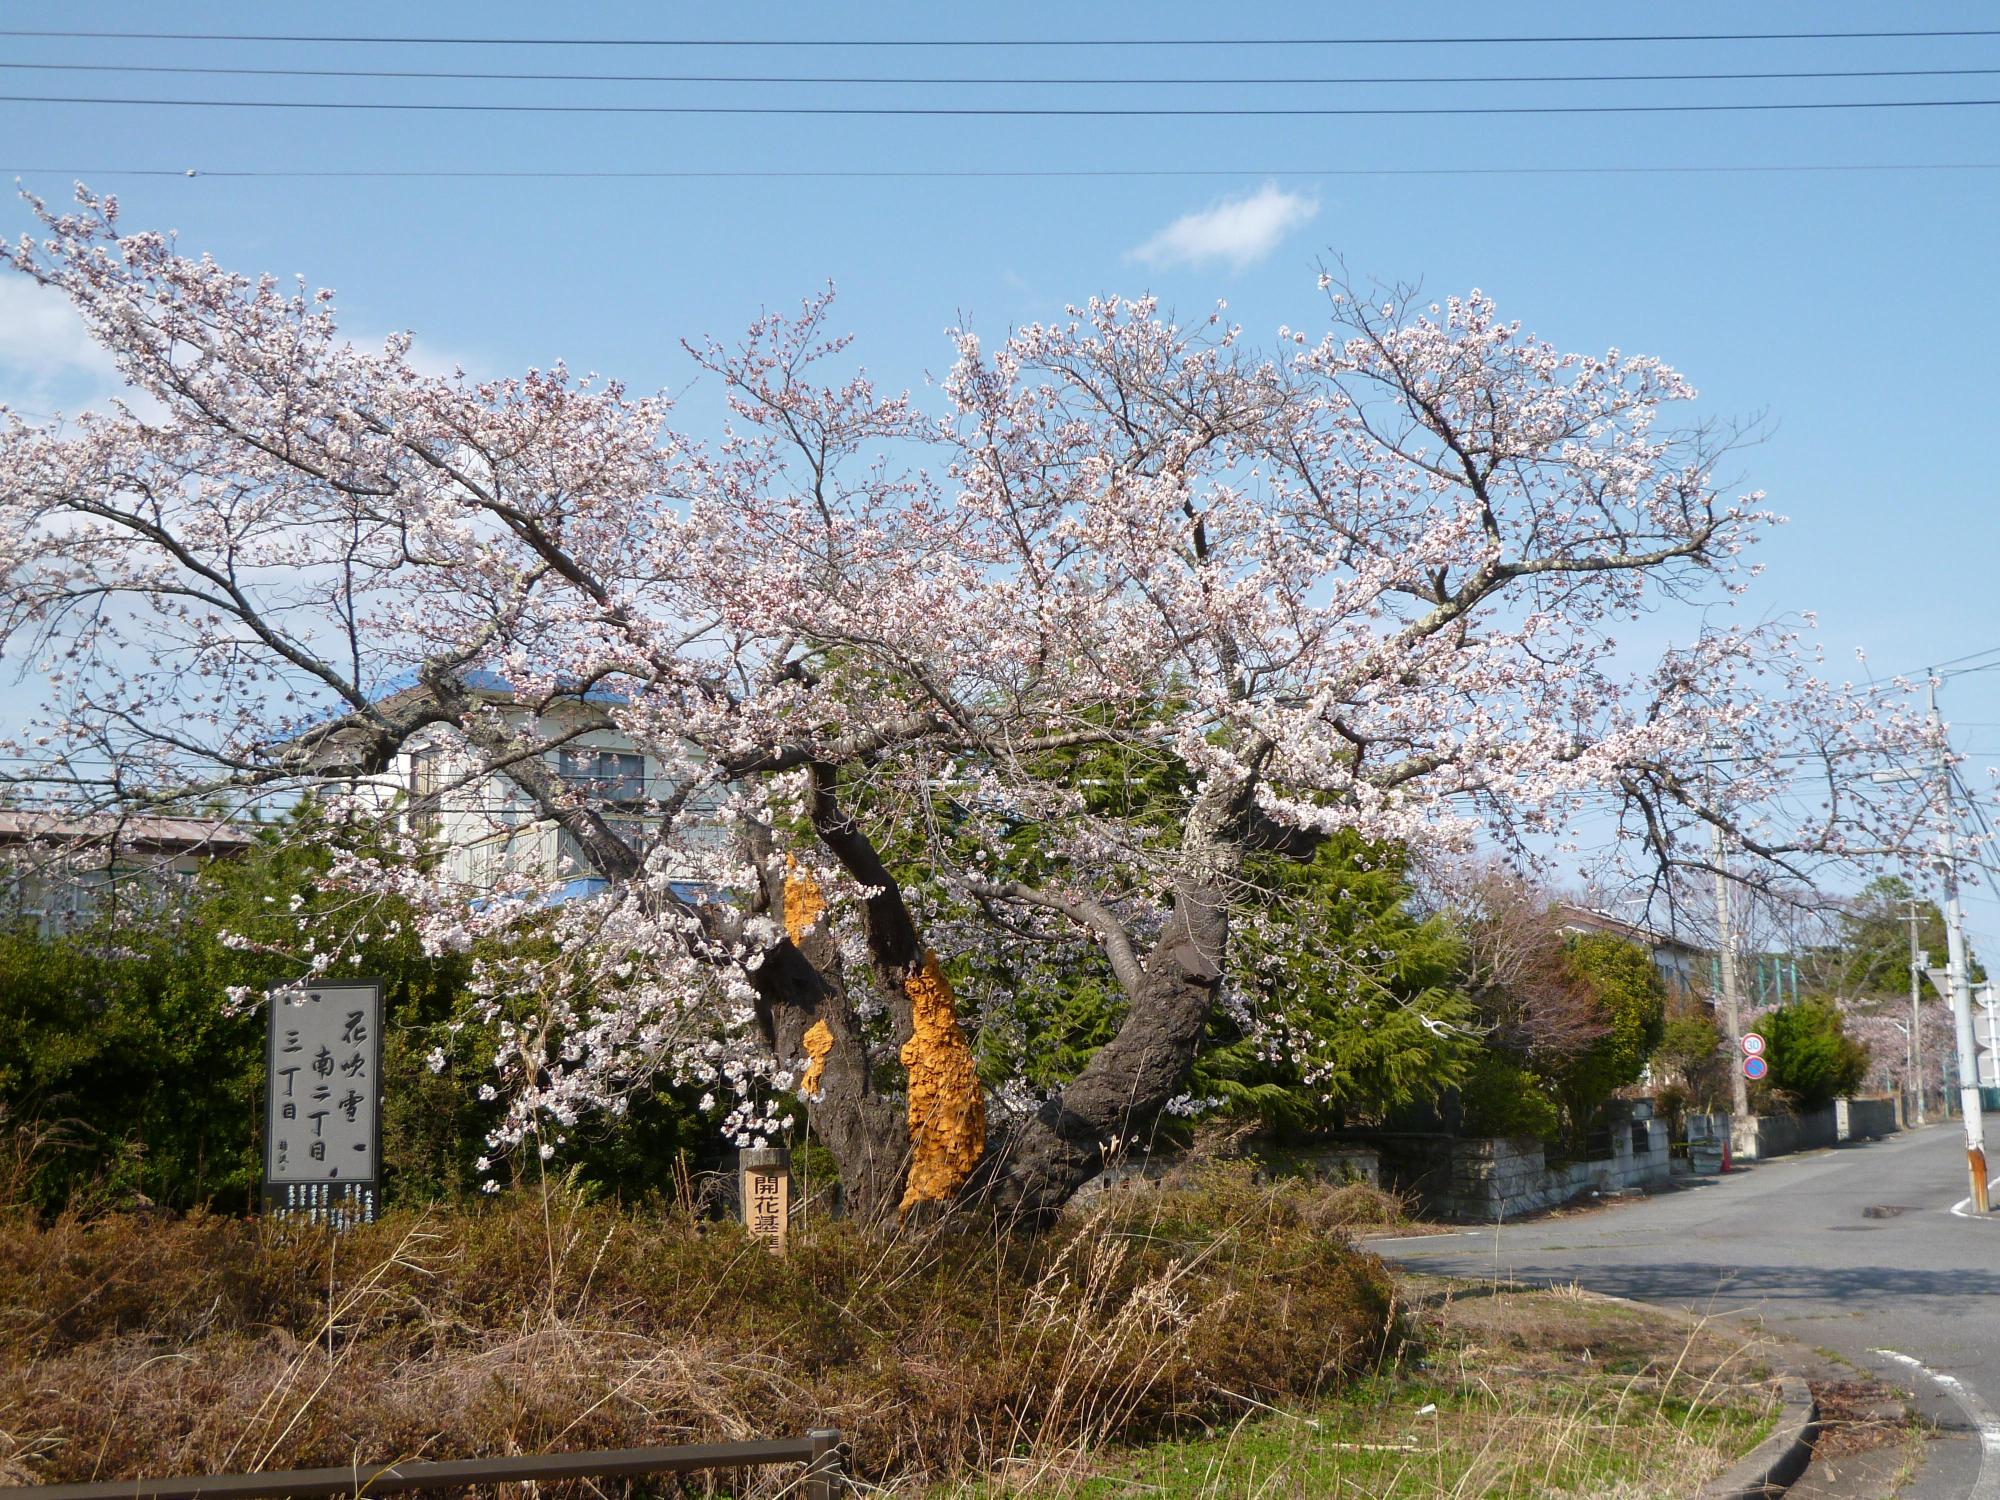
(1843, 1120)
(1760, 1137)
(1865, 1119)
(1492, 1180)
(1337, 1164)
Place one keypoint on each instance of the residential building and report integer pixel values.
(61, 871)
(489, 831)
(1686, 968)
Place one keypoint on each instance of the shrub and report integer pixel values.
(1690, 1057)
(1499, 1097)
(1631, 1000)
(118, 1041)
(535, 1322)
(1813, 1060)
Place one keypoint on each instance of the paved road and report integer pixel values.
(1788, 1241)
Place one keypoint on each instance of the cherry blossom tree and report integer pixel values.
(1369, 581)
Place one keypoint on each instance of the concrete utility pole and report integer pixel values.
(1993, 1029)
(1916, 1014)
(1725, 958)
(1961, 985)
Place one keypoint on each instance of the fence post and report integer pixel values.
(825, 1474)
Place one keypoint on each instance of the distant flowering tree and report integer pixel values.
(1373, 577)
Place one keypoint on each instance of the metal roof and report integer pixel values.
(27, 826)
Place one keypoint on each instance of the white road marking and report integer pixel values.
(1977, 1412)
(1963, 1208)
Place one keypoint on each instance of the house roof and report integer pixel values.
(1638, 932)
(480, 680)
(124, 831)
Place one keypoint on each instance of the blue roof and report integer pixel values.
(583, 887)
(479, 679)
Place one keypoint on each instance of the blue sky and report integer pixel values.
(1856, 311)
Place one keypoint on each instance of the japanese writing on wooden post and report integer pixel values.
(323, 1103)
(767, 1194)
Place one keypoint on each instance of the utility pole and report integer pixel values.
(1916, 1014)
(1725, 958)
(1959, 975)
(1993, 1027)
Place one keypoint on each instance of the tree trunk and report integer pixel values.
(864, 1131)
(1038, 1164)
(809, 1019)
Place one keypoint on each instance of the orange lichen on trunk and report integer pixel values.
(805, 902)
(818, 1041)
(947, 1109)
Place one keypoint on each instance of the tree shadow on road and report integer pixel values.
(1708, 1286)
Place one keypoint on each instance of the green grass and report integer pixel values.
(1576, 1441)
(1517, 1395)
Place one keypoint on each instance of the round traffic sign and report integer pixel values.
(1753, 1045)
(1755, 1067)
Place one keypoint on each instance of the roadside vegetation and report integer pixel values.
(1497, 1391)
(1200, 1336)
(133, 1344)
(1375, 1002)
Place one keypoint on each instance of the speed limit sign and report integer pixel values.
(1753, 1044)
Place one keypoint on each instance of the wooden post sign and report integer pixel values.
(323, 1103)
(767, 1194)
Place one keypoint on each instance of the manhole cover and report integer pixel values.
(1883, 1210)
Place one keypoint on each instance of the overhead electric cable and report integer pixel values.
(964, 80)
(1025, 42)
(1009, 111)
(1930, 667)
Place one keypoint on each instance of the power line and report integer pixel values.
(986, 42)
(554, 174)
(1969, 656)
(1930, 667)
(1012, 111)
(960, 80)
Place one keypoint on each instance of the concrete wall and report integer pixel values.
(1758, 1137)
(1843, 1120)
(1865, 1119)
(1488, 1180)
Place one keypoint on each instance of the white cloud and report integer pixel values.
(47, 357)
(50, 363)
(1241, 231)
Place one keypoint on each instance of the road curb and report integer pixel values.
(1775, 1464)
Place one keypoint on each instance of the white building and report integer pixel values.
(489, 830)
(1683, 966)
(63, 872)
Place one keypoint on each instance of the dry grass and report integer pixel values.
(1503, 1393)
(139, 1346)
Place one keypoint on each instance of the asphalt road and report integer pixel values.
(1911, 1292)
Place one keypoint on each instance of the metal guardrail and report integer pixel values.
(821, 1451)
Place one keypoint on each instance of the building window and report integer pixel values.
(608, 776)
(426, 781)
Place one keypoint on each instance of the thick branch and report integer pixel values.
(1092, 915)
